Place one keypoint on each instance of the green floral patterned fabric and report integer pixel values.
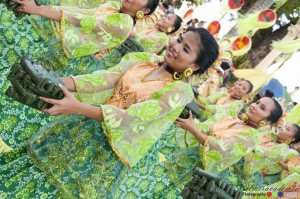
(82, 3)
(224, 152)
(131, 131)
(150, 38)
(266, 157)
(75, 157)
(98, 28)
(74, 153)
(150, 178)
(219, 110)
(168, 165)
(33, 36)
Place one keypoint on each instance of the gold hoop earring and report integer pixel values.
(188, 72)
(262, 124)
(169, 29)
(139, 14)
(177, 76)
(287, 141)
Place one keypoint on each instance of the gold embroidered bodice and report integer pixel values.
(131, 88)
(228, 127)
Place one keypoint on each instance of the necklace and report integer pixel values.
(168, 69)
(158, 79)
(235, 98)
(244, 118)
(252, 125)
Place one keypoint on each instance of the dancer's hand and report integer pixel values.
(68, 105)
(187, 124)
(283, 165)
(27, 6)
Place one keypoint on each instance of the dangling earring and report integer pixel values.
(177, 76)
(169, 29)
(188, 72)
(287, 141)
(139, 14)
(262, 124)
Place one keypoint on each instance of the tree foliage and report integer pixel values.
(263, 38)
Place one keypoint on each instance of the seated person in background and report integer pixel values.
(225, 103)
(192, 22)
(213, 79)
(154, 36)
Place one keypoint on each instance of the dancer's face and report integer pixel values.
(182, 52)
(260, 110)
(240, 89)
(166, 22)
(286, 132)
(131, 7)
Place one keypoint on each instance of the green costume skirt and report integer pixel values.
(70, 158)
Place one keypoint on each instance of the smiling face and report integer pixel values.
(286, 132)
(166, 21)
(240, 89)
(132, 6)
(260, 110)
(183, 52)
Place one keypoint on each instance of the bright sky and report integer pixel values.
(289, 75)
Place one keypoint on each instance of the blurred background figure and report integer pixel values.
(201, 23)
(192, 22)
(172, 7)
(165, 7)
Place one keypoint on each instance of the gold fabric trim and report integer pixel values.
(62, 33)
(114, 149)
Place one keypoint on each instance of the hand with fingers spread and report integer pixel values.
(67, 105)
(187, 124)
(27, 6)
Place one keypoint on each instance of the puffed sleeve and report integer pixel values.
(87, 31)
(212, 99)
(219, 154)
(133, 131)
(152, 42)
(210, 103)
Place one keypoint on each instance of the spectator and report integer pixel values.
(192, 22)
(165, 7)
(201, 23)
(172, 7)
